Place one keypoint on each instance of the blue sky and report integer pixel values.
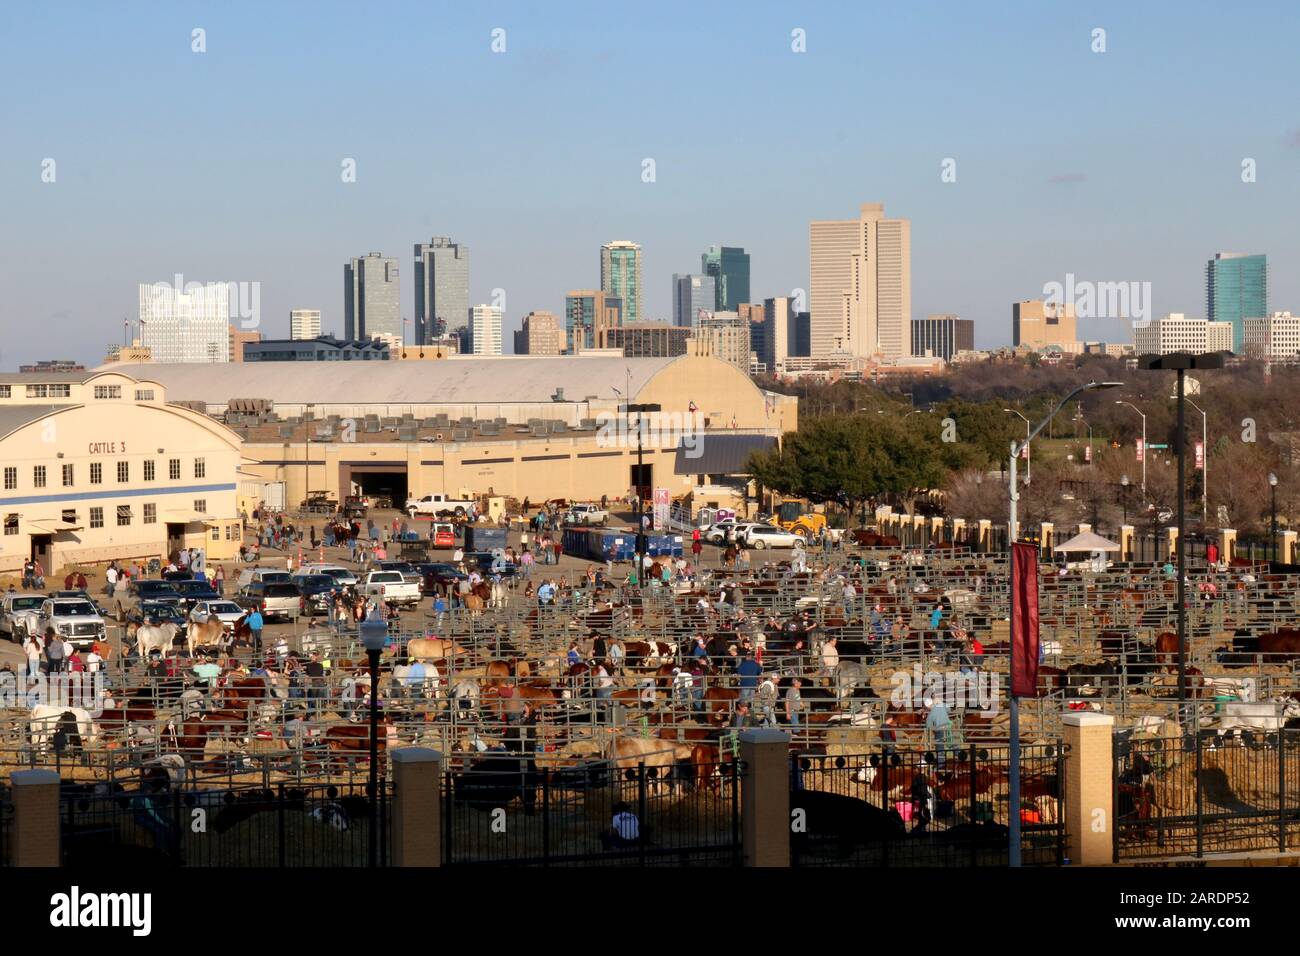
(225, 165)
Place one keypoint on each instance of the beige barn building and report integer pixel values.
(100, 465)
(521, 426)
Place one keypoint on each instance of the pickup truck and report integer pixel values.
(439, 506)
(18, 613)
(390, 587)
(586, 515)
(273, 599)
(75, 619)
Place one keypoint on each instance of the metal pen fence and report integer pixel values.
(1206, 793)
(287, 826)
(504, 810)
(889, 807)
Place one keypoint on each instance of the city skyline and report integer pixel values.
(1068, 173)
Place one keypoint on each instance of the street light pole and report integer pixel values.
(1145, 451)
(640, 548)
(1205, 465)
(374, 634)
(1013, 850)
(1029, 465)
(1272, 520)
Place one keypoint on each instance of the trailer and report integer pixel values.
(483, 538)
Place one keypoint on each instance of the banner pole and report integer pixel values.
(1013, 729)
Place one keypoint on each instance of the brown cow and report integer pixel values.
(1284, 642)
(707, 760)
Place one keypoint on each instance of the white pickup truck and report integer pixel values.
(76, 619)
(439, 506)
(390, 587)
(586, 515)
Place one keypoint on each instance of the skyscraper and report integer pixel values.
(304, 324)
(780, 336)
(441, 287)
(540, 334)
(729, 267)
(861, 296)
(372, 304)
(485, 329)
(620, 275)
(190, 324)
(1236, 289)
(589, 314)
(691, 295)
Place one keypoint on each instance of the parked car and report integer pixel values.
(438, 575)
(391, 588)
(263, 575)
(586, 515)
(178, 575)
(407, 570)
(75, 619)
(318, 592)
(440, 506)
(276, 600)
(721, 532)
(18, 614)
(145, 591)
(192, 592)
(761, 536)
(342, 576)
(227, 612)
(160, 612)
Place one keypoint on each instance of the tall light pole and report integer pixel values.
(1272, 520)
(374, 635)
(1145, 451)
(1013, 853)
(1205, 464)
(640, 550)
(1029, 465)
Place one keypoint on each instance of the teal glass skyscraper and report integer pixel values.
(1236, 289)
(729, 266)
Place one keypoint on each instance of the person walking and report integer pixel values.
(255, 623)
(55, 659)
(794, 704)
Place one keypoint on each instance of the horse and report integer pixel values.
(208, 633)
(657, 755)
(707, 760)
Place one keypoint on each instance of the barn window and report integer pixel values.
(123, 515)
(11, 524)
(97, 517)
(38, 476)
(150, 514)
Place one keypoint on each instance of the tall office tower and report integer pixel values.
(620, 275)
(942, 336)
(1037, 324)
(485, 329)
(589, 314)
(861, 297)
(783, 323)
(762, 336)
(372, 304)
(729, 267)
(692, 295)
(304, 324)
(540, 334)
(801, 336)
(441, 287)
(1236, 289)
(185, 325)
(725, 336)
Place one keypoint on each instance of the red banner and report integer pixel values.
(1024, 633)
(1140, 449)
(1200, 456)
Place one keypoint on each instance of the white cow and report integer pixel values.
(1269, 716)
(151, 637)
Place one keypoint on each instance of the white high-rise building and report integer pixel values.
(485, 329)
(1177, 333)
(861, 295)
(304, 324)
(1276, 338)
(190, 324)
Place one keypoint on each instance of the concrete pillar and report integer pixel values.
(1089, 795)
(958, 528)
(1084, 528)
(936, 529)
(1288, 547)
(985, 532)
(765, 797)
(35, 835)
(1227, 545)
(1046, 532)
(1126, 533)
(1171, 545)
(417, 806)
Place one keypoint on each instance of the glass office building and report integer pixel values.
(1236, 289)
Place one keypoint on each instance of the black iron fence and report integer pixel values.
(501, 811)
(284, 826)
(1207, 792)
(937, 808)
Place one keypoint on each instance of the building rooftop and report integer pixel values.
(454, 380)
(14, 417)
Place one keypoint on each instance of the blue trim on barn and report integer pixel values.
(158, 492)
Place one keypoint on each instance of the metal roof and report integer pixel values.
(720, 454)
(451, 381)
(14, 417)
